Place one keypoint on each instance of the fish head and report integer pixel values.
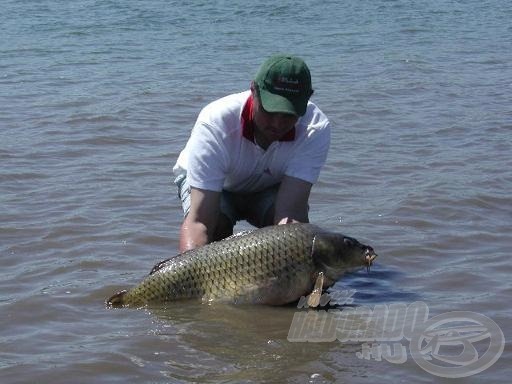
(335, 254)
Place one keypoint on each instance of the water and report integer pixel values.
(98, 97)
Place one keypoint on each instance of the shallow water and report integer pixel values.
(97, 99)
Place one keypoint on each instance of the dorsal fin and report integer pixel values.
(159, 266)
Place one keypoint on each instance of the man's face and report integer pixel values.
(270, 126)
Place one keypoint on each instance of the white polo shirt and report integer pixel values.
(221, 152)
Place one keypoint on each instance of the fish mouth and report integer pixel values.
(369, 256)
(332, 272)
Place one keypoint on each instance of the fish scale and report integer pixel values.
(272, 265)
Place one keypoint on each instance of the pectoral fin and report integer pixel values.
(314, 296)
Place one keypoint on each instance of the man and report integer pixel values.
(253, 155)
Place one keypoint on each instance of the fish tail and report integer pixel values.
(117, 300)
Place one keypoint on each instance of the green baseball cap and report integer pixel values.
(284, 85)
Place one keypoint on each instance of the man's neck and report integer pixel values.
(260, 140)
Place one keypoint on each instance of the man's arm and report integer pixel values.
(200, 224)
(291, 204)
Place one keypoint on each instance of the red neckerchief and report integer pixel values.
(248, 123)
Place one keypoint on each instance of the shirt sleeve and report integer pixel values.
(208, 159)
(311, 154)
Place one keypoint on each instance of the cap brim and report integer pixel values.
(275, 103)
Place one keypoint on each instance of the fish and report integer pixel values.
(274, 265)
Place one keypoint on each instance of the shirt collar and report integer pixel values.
(248, 123)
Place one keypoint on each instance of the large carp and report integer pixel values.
(272, 265)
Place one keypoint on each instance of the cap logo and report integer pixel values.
(284, 84)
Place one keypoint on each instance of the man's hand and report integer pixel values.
(287, 220)
(291, 204)
(199, 226)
